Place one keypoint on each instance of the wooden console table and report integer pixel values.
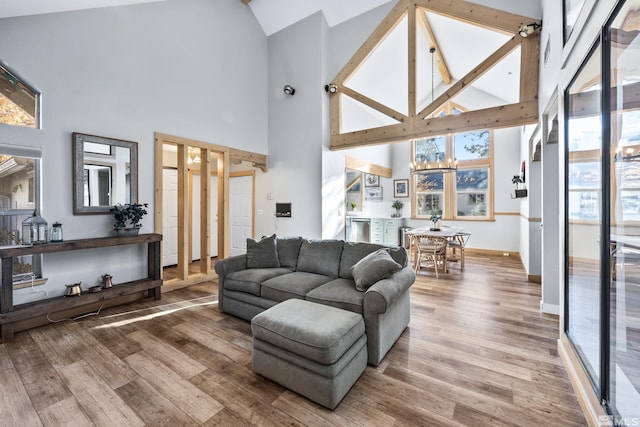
(10, 314)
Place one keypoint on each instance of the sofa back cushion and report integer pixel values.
(288, 251)
(354, 252)
(262, 254)
(320, 257)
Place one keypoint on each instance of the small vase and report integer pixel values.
(124, 232)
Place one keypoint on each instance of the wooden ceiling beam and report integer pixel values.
(472, 75)
(373, 104)
(432, 41)
(258, 160)
(529, 57)
(386, 26)
(483, 16)
(503, 116)
(367, 167)
(416, 125)
(412, 66)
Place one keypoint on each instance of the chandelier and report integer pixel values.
(434, 167)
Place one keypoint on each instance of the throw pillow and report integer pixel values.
(376, 266)
(288, 250)
(262, 254)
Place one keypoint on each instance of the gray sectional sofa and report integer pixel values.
(368, 279)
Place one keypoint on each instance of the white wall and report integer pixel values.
(296, 133)
(555, 74)
(193, 68)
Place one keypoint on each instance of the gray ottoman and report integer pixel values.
(313, 349)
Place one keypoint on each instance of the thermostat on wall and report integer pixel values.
(283, 210)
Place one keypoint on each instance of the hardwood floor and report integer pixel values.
(477, 353)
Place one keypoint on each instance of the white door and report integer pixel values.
(241, 211)
(169, 217)
(195, 216)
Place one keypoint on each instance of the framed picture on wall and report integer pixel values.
(373, 194)
(400, 188)
(371, 180)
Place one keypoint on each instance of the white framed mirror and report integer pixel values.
(105, 173)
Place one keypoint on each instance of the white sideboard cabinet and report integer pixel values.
(384, 231)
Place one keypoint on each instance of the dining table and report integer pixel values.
(447, 232)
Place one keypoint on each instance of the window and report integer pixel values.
(19, 197)
(464, 194)
(19, 102)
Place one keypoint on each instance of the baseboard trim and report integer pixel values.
(491, 252)
(550, 308)
(587, 398)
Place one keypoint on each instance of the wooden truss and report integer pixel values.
(418, 124)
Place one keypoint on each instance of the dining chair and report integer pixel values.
(431, 249)
(457, 243)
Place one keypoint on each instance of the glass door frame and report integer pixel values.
(603, 386)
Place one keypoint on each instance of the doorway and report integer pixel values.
(241, 198)
(192, 212)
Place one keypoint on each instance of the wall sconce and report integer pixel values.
(289, 90)
(528, 29)
(330, 88)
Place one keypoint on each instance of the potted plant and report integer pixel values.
(353, 206)
(520, 192)
(397, 205)
(127, 218)
(435, 218)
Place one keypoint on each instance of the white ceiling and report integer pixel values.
(274, 15)
(10, 8)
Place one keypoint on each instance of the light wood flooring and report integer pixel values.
(477, 353)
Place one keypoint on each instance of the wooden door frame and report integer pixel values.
(184, 217)
(225, 156)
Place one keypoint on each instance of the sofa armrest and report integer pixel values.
(384, 293)
(228, 265)
(224, 267)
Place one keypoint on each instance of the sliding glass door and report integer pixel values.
(602, 217)
(623, 39)
(584, 201)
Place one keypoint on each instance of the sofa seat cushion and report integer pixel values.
(250, 280)
(292, 285)
(339, 293)
(320, 257)
(247, 298)
(313, 331)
